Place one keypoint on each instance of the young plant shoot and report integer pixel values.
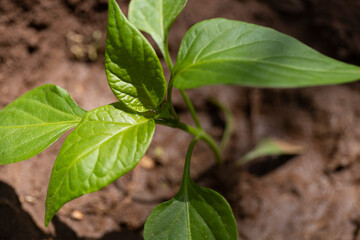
(109, 141)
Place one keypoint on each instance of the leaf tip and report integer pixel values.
(112, 4)
(48, 218)
(48, 214)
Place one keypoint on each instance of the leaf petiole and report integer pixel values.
(228, 122)
(197, 132)
(169, 100)
(191, 108)
(167, 56)
(186, 174)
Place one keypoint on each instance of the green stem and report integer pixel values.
(186, 175)
(197, 132)
(191, 108)
(167, 56)
(200, 133)
(169, 99)
(228, 123)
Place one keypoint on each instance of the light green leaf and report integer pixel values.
(106, 144)
(155, 17)
(221, 51)
(34, 121)
(270, 147)
(133, 70)
(195, 213)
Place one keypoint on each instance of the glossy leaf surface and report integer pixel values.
(195, 213)
(34, 121)
(221, 51)
(106, 144)
(133, 70)
(155, 17)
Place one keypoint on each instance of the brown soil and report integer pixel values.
(312, 196)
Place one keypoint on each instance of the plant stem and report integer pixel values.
(228, 122)
(169, 99)
(197, 132)
(167, 56)
(186, 174)
(191, 108)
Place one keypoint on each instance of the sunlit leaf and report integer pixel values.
(155, 17)
(221, 51)
(133, 70)
(105, 145)
(34, 121)
(194, 213)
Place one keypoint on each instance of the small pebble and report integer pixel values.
(147, 163)
(77, 215)
(30, 199)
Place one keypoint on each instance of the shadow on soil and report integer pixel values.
(16, 224)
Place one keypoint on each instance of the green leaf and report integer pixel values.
(270, 147)
(221, 51)
(34, 121)
(194, 213)
(106, 144)
(133, 70)
(155, 17)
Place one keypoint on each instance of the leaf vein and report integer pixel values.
(51, 107)
(39, 124)
(84, 154)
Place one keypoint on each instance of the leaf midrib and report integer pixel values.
(78, 158)
(262, 62)
(149, 97)
(40, 124)
(206, 202)
(162, 19)
(187, 205)
(53, 108)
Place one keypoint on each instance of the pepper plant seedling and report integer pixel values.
(109, 141)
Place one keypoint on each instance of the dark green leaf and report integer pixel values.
(221, 51)
(195, 213)
(155, 17)
(34, 121)
(106, 144)
(133, 70)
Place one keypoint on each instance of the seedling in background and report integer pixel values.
(269, 147)
(109, 141)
